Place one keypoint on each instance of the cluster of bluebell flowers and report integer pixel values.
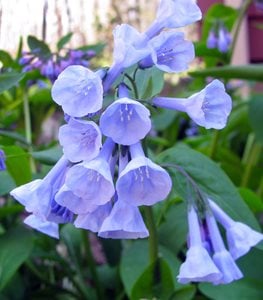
(104, 175)
(52, 65)
(219, 37)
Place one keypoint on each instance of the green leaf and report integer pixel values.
(150, 82)
(18, 164)
(8, 80)
(98, 48)
(253, 201)
(255, 113)
(16, 246)
(8, 210)
(173, 231)
(39, 47)
(64, 40)
(248, 72)
(14, 135)
(185, 293)
(49, 156)
(242, 289)
(210, 178)
(6, 183)
(6, 59)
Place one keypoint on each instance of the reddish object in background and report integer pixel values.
(255, 35)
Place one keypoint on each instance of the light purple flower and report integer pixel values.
(240, 237)
(211, 40)
(170, 52)
(46, 227)
(126, 121)
(2, 160)
(142, 182)
(80, 139)
(224, 39)
(79, 91)
(130, 46)
(174, 14)
(209, 108)
(124, 222)
(222, 258)
(38, 196)
(93, 220)
(198, 266)
(92, 181)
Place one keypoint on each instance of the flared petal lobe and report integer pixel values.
(174, 14)
(81, 140)
(91, 181)
(143, 182)
(124, 222)
(79, 91)
(170, 52)
(198, 267)
(126, 121)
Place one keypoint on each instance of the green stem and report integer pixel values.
(38, 274)
(153, 237)
(92, 265)
(239, 21)
(28, 128)
(251, 162)
(214, 145)
(136, 93)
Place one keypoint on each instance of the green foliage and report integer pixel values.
(255, 114)
(40, 48)
(64, 40)
(8, 80)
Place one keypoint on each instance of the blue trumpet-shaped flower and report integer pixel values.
(2, 160)
(91, 181)
(221, 257)
(142, 182)
(81, 140)
(170, 52)
(240, 237)
(174, 14)
(93, 220)
(209, 108)
(211, 40)
(198, 267)
(224, 39)
(38, 196)
(124, 222)
(79, 91)
(126, 121)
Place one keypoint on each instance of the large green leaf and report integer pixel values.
(6, 183)
(39, 47)
(6, 58)
(210, 179)
(7, 80)
(249, 72)
(16, 246)
(240, 290)
(49, 156)
(18, 164)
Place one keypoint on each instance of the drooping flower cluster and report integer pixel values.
(219, 37)
(104, 175)
(52, 65)
(207, 259)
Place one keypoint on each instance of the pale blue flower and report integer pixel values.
(80, 139)
(130, 46)
(92, 180)
(222, 258)
(240, 237)
(124, 222)
(224, 40)
(2, 160)
(209, 108)
(174, 14)
(126, 121)
(78, 90)
(93, 220)
(170, 52)
(198, 266)
(142, 182)
(211, 40)
(46, 227)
